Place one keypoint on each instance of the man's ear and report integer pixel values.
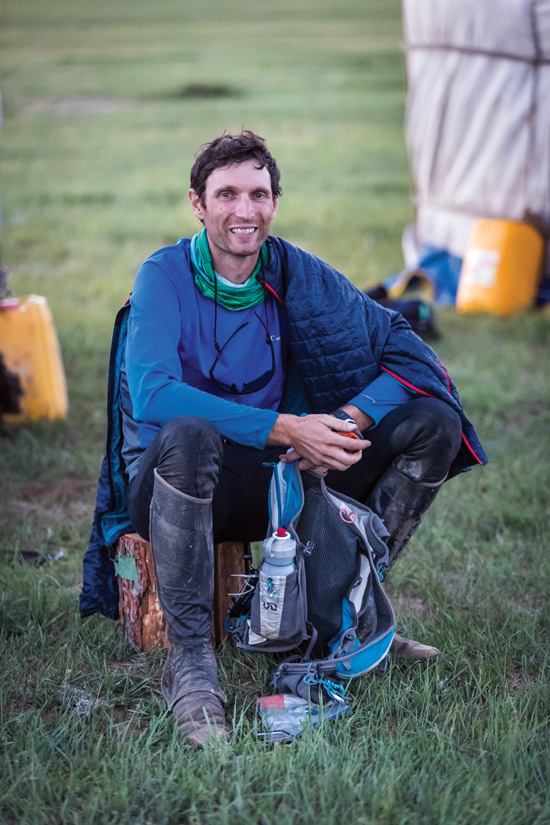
(196, 204)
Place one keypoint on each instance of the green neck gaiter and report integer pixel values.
(227, 296)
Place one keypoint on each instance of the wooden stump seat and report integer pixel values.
(139, 608)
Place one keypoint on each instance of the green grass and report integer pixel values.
(104, 106)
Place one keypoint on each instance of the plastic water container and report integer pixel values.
(279, 552)
(29, 345)
(275, 608)
(284, 716)
(501, 268)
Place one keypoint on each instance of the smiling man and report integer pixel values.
(243, 349)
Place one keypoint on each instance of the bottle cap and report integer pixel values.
(280, 532)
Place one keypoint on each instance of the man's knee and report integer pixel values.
(190, 432)
(427, 440)
(190, 455)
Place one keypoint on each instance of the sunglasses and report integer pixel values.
(248, 386)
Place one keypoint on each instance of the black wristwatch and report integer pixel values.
(344, 416)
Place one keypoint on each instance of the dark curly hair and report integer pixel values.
(227, 149)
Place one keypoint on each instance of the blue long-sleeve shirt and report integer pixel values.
(170, 350)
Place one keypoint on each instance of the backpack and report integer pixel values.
(419, 314)
(331, 610)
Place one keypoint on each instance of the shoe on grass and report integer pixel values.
(411, 651)
(190, 687)
(200, 718)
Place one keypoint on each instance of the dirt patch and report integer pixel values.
(47, 505)
(63, 489)
(518, 678)
(124, 722)
(526, 606)
(20, 706)
(204, 91)
(126, 666)
(410, 606)
(45, 518)
(49, 716)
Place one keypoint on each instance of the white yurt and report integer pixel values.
(477, 126)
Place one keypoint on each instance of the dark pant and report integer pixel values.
(189, 453)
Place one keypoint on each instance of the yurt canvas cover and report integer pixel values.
(478, 124)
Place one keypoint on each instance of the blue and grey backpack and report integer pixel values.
(331, 610)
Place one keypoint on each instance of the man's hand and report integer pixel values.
(317, 441)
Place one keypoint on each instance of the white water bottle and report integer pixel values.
(269, 616)
(279, 552)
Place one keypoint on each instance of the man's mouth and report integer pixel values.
(247, 231)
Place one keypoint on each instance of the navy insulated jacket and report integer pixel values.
(339, 340)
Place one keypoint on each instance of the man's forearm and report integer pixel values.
(283, 430)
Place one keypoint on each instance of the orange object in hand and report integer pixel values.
(350, 435)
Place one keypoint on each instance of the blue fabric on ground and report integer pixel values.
(443, 270)
(543, 293)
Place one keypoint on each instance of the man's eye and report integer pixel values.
(259, 195)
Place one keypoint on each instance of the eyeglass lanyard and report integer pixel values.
(216, 345)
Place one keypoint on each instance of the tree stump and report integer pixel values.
(231, 564)
(139, 607)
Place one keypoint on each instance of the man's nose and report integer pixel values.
(245, 208)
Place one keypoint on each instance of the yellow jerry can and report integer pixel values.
(501, 268)
(29, 345)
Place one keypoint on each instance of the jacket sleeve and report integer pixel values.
(154, 369)
(381, 396)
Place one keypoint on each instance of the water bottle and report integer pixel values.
(279, 552)
(273, 613)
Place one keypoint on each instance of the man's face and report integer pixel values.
(237, 210)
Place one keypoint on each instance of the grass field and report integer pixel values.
(104, 105)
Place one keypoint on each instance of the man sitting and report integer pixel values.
(242, 349)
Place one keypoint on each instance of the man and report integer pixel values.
(243, 349)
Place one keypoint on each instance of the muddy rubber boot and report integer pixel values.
(412, 651)
(183, 555)
(401, 501)
(190, 687)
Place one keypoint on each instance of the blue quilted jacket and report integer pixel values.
(339, 341)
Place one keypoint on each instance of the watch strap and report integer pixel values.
(342, 415)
